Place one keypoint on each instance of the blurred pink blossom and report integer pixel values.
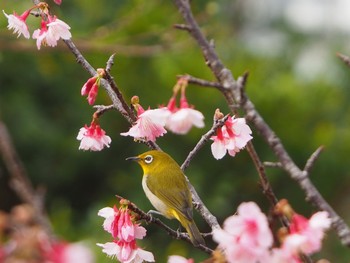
(245, 237)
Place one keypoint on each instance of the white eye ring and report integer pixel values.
(148, 159)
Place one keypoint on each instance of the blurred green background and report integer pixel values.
(296, 82)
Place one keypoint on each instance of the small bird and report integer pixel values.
(166, 187)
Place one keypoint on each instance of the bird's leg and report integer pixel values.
(155, 212)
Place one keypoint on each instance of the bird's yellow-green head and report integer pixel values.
(155, 162)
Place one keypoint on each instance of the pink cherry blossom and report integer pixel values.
(282, 255)
(306, 235)
(126, 252)
(62, 252)
(58, 29)
(111, 215)
(181, 120)
(93, 138)
(245, 237)
(119, 224)
(50, 32)
(42, 37)
(149, 125)
(179, 259)
(58, 2)
(18, 23)
(231, 138)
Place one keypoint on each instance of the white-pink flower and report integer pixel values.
(245, 237)
(282, 255)
(50, 32)
(18, 23)
(77, 252)
(306, 235)
(58, 29)
(179, 259)
(118, 223)
(93, 138)
(111, 215)
(182, 119)
(126, 252)
(62, 252)
(149, 125)
(231, 138)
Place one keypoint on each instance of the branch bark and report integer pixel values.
(234, 94)
(19, 180)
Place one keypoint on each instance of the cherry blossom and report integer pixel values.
(182, 119)
(18, 23)
(231, 138)
(306, 235)
(179, 259)
(93, 138)
(51, 31)
(245, 237)
(149, 125)
(122, 226)
(119, 224)
(126, 252)
(62, 252)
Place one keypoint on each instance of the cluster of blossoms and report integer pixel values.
(52, 29)
(152, 123)
(23, 240)
(120, 223)
(93, 137)
(247, 238)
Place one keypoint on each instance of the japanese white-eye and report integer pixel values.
(166, 187)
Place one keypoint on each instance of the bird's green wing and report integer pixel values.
(175, 193)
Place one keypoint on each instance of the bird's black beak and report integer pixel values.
(135, 158)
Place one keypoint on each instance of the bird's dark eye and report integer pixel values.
(148, 159)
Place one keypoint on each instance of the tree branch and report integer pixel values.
(150, 219)
(19, 180)
(235, 94)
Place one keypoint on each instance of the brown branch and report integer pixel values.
(205, 138)
(197, 202)
(344, 58)
(150, 219)
(313, 158)
(19, 180)
(235, 94)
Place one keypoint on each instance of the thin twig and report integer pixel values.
(102, 109)
(182, 27)
(110, 63)
(201, 82)
(150, 219)
(311, 161)
(344, 58)
(198, 203)
(217, 124)
(273, 164)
